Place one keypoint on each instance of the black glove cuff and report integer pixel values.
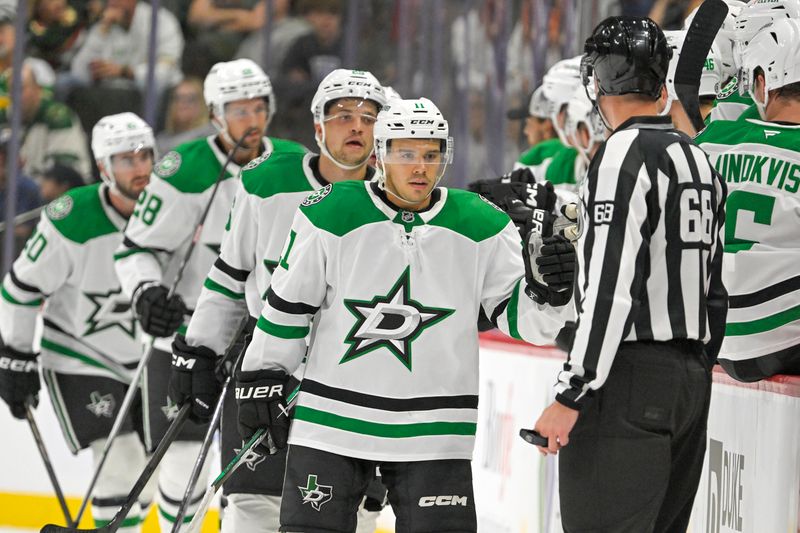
(181, 347)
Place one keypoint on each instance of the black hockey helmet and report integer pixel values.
(627, 55)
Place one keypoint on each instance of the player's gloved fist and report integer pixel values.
(261, 396)
(541, 196)
(19, 380)
(549, 269)
(519, 175)
(193, 379)
(159, 316)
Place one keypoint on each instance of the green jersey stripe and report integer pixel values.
(10, 299)
(63, 350)
(170, 518)
(375, 429)
(766, 323)
(212, 285)
(512, 310)
(280, 331)
(128, 522)
(131, 251)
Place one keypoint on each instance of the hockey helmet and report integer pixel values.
(120, 133)
(581, 111)
(241, 79)
(627, 55)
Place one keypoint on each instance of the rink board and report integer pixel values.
(750, 481)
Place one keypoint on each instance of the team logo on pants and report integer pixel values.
(252, 459)
(102, 405)
(315, 494)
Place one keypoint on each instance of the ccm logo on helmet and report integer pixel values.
(423, 121)
(264, 391)
(442, 501)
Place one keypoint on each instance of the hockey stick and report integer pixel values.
(227, 472)
(51, 473)
(699, 38)
(138, 487)
(127, 402)
(212, 428)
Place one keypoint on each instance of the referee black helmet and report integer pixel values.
(627, 55)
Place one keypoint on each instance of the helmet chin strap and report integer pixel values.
(323, 148)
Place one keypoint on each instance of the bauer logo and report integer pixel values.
(442, 501)
(725, 489)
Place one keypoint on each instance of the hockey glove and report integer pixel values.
(193, 379)
(19, 380)
(519, 175)
(549, 268)
(159, 316)
(261, 396)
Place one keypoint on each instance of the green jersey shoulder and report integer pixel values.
(541, 151)
(471, 215)
(281, 172)
(79, 216)
(187, 166)
(562, 168)
(750, 131)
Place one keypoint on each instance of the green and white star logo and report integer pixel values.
(393, 321)
(251, 459)
(314, 493)
(101, 404)
(111, 309)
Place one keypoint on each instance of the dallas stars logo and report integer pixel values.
(110, 309)
(315, 494)
(101, 405)
(252, 459)
(170, 410)
(393, 322)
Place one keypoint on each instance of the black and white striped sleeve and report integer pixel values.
(610, 263)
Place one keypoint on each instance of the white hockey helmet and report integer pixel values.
(581, 111)
(775, 50)
(391, 93)
(710, 77)
(558, 85)
(344, 83)
(411, 119)
(754, 17)
(229, 81)
(120, 133)
(540, 106)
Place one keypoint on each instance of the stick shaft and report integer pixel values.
(48, 465)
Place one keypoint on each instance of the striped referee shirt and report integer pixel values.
(649, 261)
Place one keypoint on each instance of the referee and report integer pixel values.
(632, 401)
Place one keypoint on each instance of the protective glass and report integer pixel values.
(431, 163)
(241, 112)
(128, 161)
(349, 119)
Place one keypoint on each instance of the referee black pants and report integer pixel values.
(635, 456)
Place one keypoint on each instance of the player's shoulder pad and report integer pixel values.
(191, 167)
(55, 115)
(541, 151)
(471, 215)
(280, 172)
(78, 214)
(562, 167)
(341, 207)
(280, 146)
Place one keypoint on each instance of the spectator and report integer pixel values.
(8, 11)
(670, 14)
(57, 180)
(52, 132)
(312, 57)
(187, 116)
(217, 28)
(115, 51)
(27, 195)
(55, 32)
(286, 29)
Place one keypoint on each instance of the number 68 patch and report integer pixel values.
(603, 212)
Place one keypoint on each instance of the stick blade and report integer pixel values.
(699, 38)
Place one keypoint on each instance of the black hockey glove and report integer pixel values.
(193, 379)
(519, 175)
(158, 316)
(549, 262)
(261, 396)
(19, 380)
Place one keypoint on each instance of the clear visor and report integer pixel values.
(431, 163)
(128, 161)
(347, 112)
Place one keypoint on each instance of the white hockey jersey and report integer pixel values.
(167, 214)
(760, 161)
(267, 196)
(392, 366)
(68, 264)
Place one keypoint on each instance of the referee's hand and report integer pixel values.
(556, 423)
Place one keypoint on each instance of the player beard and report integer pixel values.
(128, 192)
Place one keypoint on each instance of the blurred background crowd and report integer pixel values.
(83, 59)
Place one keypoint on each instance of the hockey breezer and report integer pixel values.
(699, 38)
(130, 395)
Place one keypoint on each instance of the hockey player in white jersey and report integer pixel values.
(89, 343)
(344, 108)
(760, 161)
(393, 272)
(240, 98)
